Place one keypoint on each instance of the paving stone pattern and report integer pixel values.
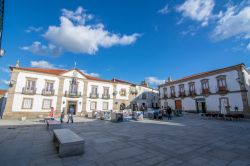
(187, 140)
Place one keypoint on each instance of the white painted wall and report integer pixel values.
(118, 89)
(37, 98)
(100, 91)
(212, 101)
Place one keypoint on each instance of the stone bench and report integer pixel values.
(68, 143)
(53, 124)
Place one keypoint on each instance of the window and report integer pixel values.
(105, 105)
(106, 91)
(27, 103)
(47, 104)
(165, 92)
(144, 96)
(204, 84)
(73, 85)
(191, 87)
(181, 86)
(94, 89)
(221, 81)
(30, 85)
(172, 89)
(92, 105)
(49, 86)
(123, 92)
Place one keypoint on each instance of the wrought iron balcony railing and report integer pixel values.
(75, 94)
(48, 92)
(94, 95)
(222, 90)
(27, 91)
(106, 96)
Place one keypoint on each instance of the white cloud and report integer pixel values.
(248, 47)
(42, 64)
(6, 82)
(78, 16)
(40, 49)
(198, 10)
(90, 74)
(234, 22)
(33, 29)
(164, 10)
(74, 35)
(154, 80)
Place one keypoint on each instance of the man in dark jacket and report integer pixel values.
(169, 111)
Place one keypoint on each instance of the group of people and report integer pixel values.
(168, 111)
(70, 114)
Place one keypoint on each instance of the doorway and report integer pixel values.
(72, 104)
(122, 106)
(178, 105)
(201, 105)
(224, 105)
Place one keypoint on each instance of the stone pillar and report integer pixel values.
(84, 98)
(243, 91)
(59, 95)
(114, 97)
(11, 92)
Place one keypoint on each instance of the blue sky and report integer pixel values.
(127, 39)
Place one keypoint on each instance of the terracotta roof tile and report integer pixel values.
(61, 71)
(204, 74)
(2, 91)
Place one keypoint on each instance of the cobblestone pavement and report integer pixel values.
(186, 140)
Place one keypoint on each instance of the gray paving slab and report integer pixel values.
(186, 140)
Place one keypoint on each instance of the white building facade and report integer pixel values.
(223, 90)
(33, 91)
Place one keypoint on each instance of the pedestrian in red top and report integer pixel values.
(52, 113)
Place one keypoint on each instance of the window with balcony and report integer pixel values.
(73, 89)
(30, 87)
(123, 92)
(172, 89)
(47, 104)
(192, 89)
(205, 86)
(27, 103)
(105, 94)
(73, 86)
(49, 88)
(94, 90)
(222, 84)
(181, 90)
(165, 93)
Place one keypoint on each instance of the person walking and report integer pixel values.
(62, 116)
(70, 114)
(52, 113)
(169, 111)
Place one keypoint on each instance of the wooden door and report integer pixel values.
(178, 105)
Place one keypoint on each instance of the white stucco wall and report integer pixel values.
(100, 91)
(37, 98)
(212, 101)
(118, 89)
